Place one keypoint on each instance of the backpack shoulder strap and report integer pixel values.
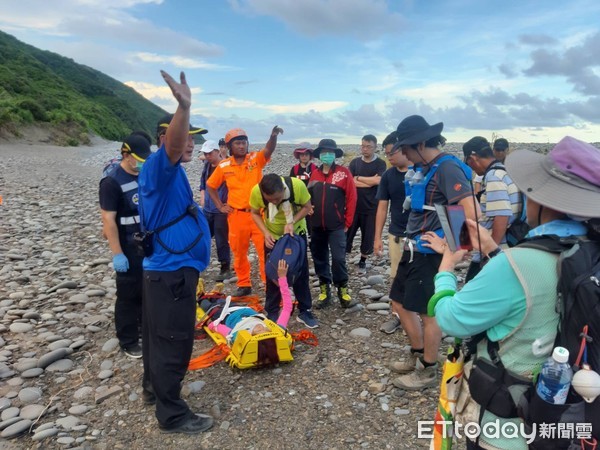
(289, 183)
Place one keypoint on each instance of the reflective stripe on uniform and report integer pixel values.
(129, 186)
(130, 220)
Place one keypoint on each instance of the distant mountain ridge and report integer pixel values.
(43, 88)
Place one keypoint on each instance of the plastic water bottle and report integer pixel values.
(555, 378)
(410, 173)
(418, 176)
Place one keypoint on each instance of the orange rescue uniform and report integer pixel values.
(240, 179)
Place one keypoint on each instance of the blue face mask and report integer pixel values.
(327, 158)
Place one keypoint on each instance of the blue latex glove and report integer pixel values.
(120, 263)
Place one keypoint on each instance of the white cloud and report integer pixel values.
(156, 92)
(178, 61)
(363, 19)
(298, 108)
(101, 22)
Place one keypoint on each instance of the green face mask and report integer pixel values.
(138, 166)
(327, 158)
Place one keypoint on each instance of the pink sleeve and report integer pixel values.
(286, 311)
(222, 329)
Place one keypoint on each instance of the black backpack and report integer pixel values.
(578, 305)
(517, 230)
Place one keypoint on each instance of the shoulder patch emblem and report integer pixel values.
(225, 163)
(457, 187)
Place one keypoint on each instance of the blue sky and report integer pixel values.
(525, 70)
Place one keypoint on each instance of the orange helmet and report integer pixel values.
(235, 133)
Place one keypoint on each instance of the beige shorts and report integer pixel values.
(395, 249)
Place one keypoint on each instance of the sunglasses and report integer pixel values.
(388, 155)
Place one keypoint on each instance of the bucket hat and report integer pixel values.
(567, 179)
(328, 144)
(415, 129)
(302, 150)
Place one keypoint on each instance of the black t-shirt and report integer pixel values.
(391, 188)
(303, 173)
(366, 202)
(119, 193)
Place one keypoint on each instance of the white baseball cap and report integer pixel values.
(210, 146)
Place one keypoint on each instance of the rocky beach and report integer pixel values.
(64, 383)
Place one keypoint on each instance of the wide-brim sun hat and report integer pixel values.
(415, 129)
(328, 144)
(302, 151)
(567, 179)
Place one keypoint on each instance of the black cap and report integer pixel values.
(475, 145)
(500, 144)
(164, 122)
(134, 143)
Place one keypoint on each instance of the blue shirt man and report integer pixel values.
(180, 250)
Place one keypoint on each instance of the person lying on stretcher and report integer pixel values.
(233, 319)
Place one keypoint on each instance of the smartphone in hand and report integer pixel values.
(453, 220)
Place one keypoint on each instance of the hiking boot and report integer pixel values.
(324, 299)
(195, 424)
(406, 365)
(224, 273)
(133, 351)
(362, 267)
(242, 291)
(345, 299)
(307, 318)
(420, 378)
(391, 325)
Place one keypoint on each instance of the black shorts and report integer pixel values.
(413, 284)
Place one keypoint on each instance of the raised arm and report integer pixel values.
(272, 142)
(178, 131)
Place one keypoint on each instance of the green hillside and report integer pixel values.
(43, 88)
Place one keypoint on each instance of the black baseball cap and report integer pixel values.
(164, 122)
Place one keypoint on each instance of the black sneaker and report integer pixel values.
(133, 351)
(224, 273)
(362, 267)
(148, 398)
(198, 423)
(242, 291)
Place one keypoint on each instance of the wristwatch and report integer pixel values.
(494, 252)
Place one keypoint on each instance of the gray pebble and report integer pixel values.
(32, 411)
(32, 373)
(54, 355)
(60, 344)
(40, 435)
(378, 306)
(16, 428)
(78, 409)
(9, 413)
(62, 365)
(4, 403)
(110, 345)
(67, 440)
(67, 422)
(20, 327)
(360, 333)
(30, 395)
(104, 374)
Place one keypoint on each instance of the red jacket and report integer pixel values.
(333, 196)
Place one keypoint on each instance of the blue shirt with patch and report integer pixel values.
(165, 194)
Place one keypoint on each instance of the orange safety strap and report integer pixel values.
(210, 358)
(307, 337)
